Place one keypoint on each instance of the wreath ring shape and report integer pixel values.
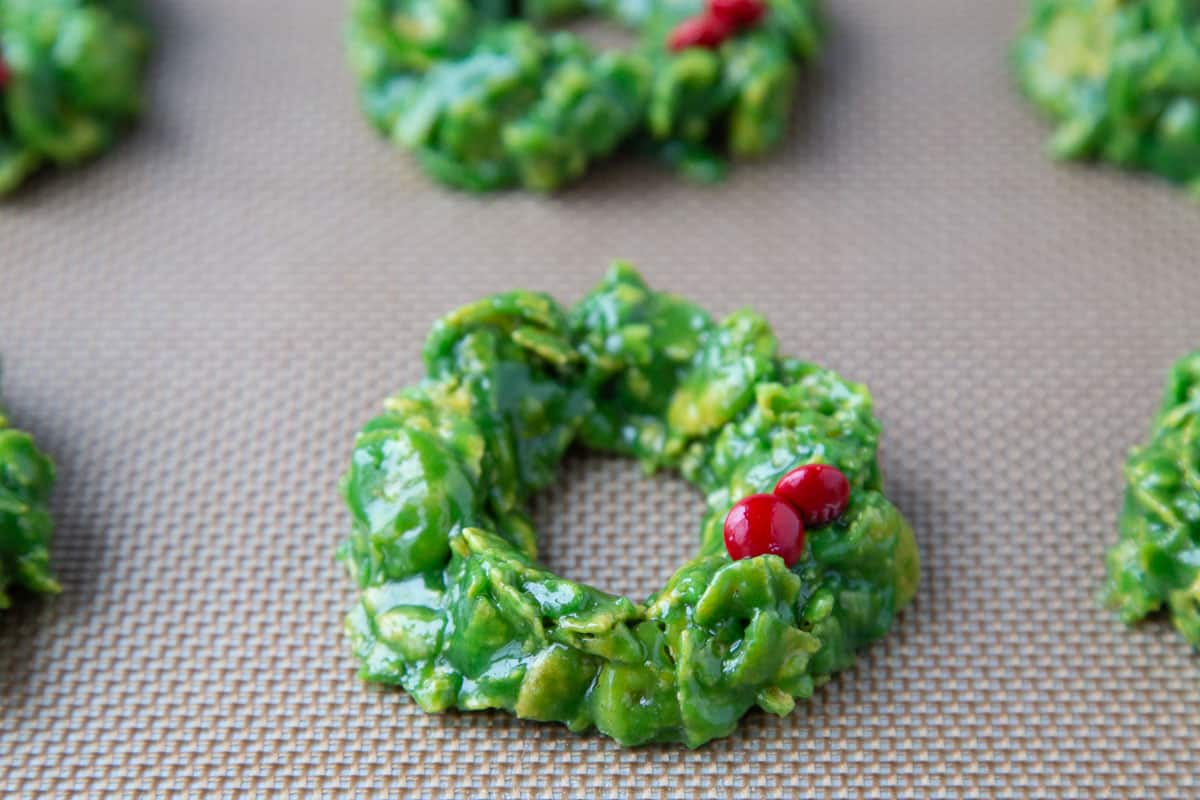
(455, 608)
(487, 98)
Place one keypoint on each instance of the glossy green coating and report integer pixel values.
(1156, 561)
(488, 98)
(1120, 79)
(26, 478)
(454, 606)
(75, 80)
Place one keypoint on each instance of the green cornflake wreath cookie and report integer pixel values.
(70, 80)
(1156, 561)
(454, 606)
(1120, 79)
(487, 98)
(26, 478)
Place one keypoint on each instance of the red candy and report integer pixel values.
(737, 12)
(819, 492)
(720, 20)
(5, 72)
(703, 31)
(763, 524)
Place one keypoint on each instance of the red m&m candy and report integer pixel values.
(702, 31)
(807, 497)
(737, 13)
(819, 492)
(763, 524)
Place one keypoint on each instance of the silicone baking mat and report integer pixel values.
(196, 325)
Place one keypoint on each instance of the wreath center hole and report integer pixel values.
(602, 34)
(605, 523)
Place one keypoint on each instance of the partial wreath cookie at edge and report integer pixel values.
(70, 80)
(26, 479)
(1155, 563)
(454, 606)
(1120, 79)
(487, 98)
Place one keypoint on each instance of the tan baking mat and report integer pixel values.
(196, 326)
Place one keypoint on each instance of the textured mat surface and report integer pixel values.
(196, 325)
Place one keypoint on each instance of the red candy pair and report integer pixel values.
(812, 495)
(720, 20)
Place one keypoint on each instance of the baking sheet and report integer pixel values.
(196, 325)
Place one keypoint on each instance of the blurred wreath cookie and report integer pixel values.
(1120, 79)
(70, 80)
(26, 478)
(487, 96)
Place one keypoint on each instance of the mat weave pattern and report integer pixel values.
(196, 325)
